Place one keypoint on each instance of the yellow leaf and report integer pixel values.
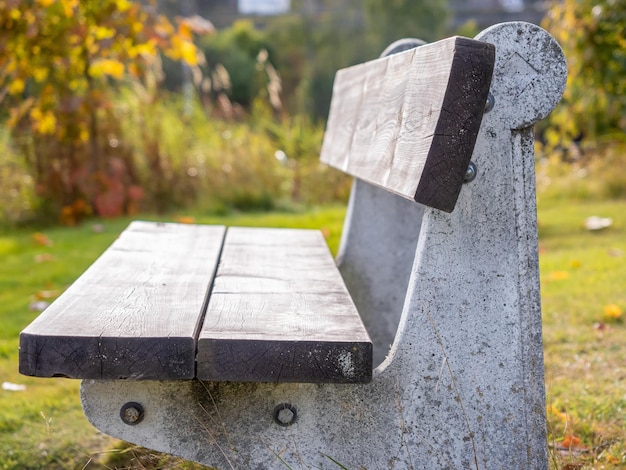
(188, 53)
(45, 3)
(40, 74)
(16, 86)
(553, 411)
(123, 5)
(15, 14)
(146, 48)
(612, 312)
(47, 124)
(36, 114)
(111, 67)
(137, 27)
(184, 31)
(41, 239)
(101, 33)
(559, 275)
(69, 6)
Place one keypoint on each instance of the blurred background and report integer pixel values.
(115, 107)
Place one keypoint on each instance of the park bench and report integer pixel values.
(419, 348)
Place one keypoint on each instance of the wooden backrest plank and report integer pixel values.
(409, 122)
(280, 312)
(134, 313)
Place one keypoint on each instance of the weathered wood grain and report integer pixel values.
(280, 312)
(134, 314)
(409, 122)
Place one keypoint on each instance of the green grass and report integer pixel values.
(582, 272)
(585, 351)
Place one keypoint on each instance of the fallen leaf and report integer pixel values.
(571, 445)
(573, 466)
(575, 264)
(41, 239)
(554, 411)
(44, 257)
(185, 220)
(613, 460)
(615, 253)
(97, 228)
(612, 312)
(46, 294)
(600, 326)
(559, 275)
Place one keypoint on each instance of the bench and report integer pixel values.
(419, 348)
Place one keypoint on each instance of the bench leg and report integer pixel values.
(462, 386)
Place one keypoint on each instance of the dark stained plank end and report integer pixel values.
(280, 312)
(459, 122)
(408, 122)
(283, 361)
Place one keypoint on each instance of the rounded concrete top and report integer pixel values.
(529, 74)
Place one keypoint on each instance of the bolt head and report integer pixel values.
(285, 414)
(132, 413)
(471, 172)
(490, 103)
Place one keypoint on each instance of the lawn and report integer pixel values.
(583, 294)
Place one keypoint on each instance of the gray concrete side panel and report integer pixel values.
(375, 258)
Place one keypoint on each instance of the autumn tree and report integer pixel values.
(593, 36)
(59, 63)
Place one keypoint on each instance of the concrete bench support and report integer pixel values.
(462, 385)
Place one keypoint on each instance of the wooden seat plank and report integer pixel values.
(134, 314)
(409, 122)
(280, 312)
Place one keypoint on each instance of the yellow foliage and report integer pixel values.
(69, 6)
(137, 27)
(184, 31)
(40, 74)
(123, 5)
(45, 3)
(183, 50)
(43, 122)
(148, 48)
(101, 33)
(188, 53)
(110, 67)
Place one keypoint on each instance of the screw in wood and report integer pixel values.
(132, 413)
(285, 414)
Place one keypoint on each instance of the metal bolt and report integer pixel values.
(285, 414)
(132, 413)
(490, 103)
(471, 172)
